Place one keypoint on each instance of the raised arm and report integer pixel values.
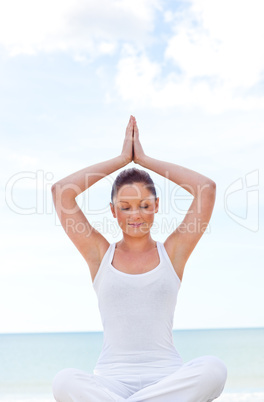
(183, 239)
(90, 243)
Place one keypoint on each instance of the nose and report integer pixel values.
(135, 214)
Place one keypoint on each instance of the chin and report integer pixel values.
(136, 232)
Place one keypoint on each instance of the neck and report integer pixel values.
(139, 244)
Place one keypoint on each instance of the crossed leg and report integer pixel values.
(73, 385)
(199, 380)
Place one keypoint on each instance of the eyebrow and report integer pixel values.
(140, 200)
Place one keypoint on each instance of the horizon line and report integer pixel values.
(101, 331)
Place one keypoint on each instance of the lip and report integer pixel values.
(135, 225)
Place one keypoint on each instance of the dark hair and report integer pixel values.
(130, 176)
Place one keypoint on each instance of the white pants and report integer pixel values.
(200, 380)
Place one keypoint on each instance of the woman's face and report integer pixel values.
(135, 207)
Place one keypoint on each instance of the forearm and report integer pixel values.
(188, 179)
(79, 181)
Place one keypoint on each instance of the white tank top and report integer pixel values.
(137, 312)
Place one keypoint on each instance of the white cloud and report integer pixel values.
(136, 75)
(75, 26)
(225, 42)
(216, 48)
(214, 52)
(139, 81)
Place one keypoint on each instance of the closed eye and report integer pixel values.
(126, 209)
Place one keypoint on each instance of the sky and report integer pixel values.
(71, 74)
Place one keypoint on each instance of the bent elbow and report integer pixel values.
(53, 187)
(212, 185)
(209, 186)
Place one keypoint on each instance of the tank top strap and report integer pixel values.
(107, 259)
(162, 252)
(164, 255)
(111, 253)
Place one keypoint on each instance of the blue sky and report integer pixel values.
(71, 74)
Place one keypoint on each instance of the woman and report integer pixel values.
(137, 281)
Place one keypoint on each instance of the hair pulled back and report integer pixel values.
(130, 176)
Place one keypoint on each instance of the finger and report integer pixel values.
(129, 127)
(136, 128)
(133, 151)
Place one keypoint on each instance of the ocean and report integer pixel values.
(29, 362)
